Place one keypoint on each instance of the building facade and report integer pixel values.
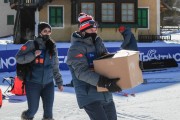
(142, 16)
(149, 17)
(7, 18)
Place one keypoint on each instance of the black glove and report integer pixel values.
(141, 65)
(108, 83)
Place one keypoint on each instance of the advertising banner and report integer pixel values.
(8, 61)
(149, 53)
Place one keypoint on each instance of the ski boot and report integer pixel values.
(24, 117)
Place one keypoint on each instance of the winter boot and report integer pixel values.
(24, 117)
(48, 119)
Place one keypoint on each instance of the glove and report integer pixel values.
(141, 65)
(108, 83)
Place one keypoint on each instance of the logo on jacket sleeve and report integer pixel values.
(90, 57)
(79, 56)
(23, 48)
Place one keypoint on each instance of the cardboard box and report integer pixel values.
(124, 65)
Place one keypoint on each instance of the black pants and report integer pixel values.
(101, 110)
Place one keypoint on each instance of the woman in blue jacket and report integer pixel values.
(45, 67)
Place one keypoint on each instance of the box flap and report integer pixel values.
(110, 55)
(125, 53)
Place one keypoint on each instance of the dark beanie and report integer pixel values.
(43, 25)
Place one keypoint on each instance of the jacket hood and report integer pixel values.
(127, 30)
(76, 37)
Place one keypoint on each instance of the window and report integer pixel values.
(127, 13)
(88, 8)
(10, 19)
(142, 17)
(56, 16)
(108, 12)
(6, 1)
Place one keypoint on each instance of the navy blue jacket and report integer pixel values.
(129, 42)
(41, 73)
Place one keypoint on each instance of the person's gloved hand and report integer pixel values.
(141, 65)
(110, 84)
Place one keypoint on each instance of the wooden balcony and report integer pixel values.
(27, 3)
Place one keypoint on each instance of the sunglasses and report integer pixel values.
(93, 23)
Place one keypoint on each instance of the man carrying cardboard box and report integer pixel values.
(85, 47)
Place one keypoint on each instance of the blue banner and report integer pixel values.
(149, 53)
(8, 61)
(62, 55)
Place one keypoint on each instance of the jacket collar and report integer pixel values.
(76, 37)
(40, 42)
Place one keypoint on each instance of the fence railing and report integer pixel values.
(164, 29)
(151, 38)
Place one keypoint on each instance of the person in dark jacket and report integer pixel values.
(45, 67)
(86, 46)
(129, 42)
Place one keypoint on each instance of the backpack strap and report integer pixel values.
(36, 45)
(23, 86)
(36, 48)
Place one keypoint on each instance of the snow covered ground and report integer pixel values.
(156, 100)
(6, 40)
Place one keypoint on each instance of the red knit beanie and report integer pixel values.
(86, 22)
(122, 28)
